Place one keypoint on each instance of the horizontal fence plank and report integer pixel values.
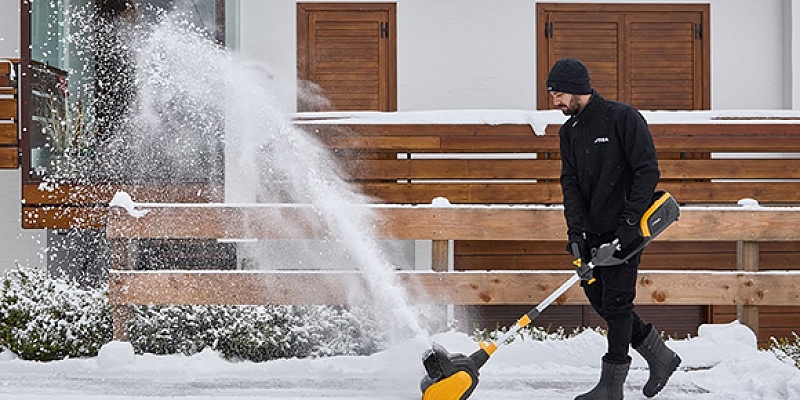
(724, 128)
(676, 260)
(693, 137)
(730, 169)
(436, 223)
(519, 144)
(459, 169)
(8, 134)
(412, 129)
(8, 109)
(550, 192)
(56, 217)
(465, 288)
(694, 129)
(101, 194)
(649, 261)
(519, 247)
(9, 157)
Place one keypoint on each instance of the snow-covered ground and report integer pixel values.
(722, 362)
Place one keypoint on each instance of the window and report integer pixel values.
(346, 54)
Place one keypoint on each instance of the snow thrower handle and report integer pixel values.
(584, 270)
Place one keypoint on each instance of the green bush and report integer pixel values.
(786, 349)
(255, 333)
(48, 319)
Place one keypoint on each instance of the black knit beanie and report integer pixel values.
(569, 75)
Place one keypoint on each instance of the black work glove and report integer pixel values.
(578, 241)
(629, 239)
(579, 249)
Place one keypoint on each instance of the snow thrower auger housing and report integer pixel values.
(454, 376)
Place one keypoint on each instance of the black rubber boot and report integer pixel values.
(661, 360)
(610, 386)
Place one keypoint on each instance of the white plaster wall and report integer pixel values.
(481, 53)
(268, 35)
(9, 28)
(792, 55)
(17, 245)
(456, 54)
(747, 54)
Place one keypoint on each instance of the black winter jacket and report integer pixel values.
(609, 168)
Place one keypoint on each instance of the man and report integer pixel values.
(608, 177)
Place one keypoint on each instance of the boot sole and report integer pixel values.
(673, 365)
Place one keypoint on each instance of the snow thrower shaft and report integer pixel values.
(582, 272)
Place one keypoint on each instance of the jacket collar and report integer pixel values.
(591, 109)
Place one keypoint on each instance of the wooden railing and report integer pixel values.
(387, 162)
(747, 288)
(370, 155)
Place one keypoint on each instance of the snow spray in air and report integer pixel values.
(195, 97)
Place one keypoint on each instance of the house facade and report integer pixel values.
(411, 55)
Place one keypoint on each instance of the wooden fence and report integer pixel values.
(746, 287)
(716, 162)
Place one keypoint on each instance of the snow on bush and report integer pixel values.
(255, 333)
(46, 319)
(785, 350)
(49, 319)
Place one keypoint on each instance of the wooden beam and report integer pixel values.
(467, 288)
(747, 259)
(439, 255)
(541, 223)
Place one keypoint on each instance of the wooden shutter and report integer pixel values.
(349, 51)
(601, 53)
(652, 56)
(665, 61)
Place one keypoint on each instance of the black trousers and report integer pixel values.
(612, 295)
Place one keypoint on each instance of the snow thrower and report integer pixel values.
(454, 376)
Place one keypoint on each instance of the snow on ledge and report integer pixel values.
(124, 200)
(538, 120)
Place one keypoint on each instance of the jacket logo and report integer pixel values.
(601, 140)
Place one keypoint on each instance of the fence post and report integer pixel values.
(439, 255)
(120, 313)
(747, 254)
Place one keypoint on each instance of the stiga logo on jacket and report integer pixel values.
(601, 140)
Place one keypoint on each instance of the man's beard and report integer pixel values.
(573, 107)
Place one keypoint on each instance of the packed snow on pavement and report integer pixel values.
(722, 362)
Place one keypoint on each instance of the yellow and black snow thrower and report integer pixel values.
(454, 376)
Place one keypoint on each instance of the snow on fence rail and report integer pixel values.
(747, 288)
